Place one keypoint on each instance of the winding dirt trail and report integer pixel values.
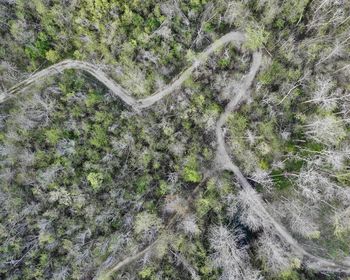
(235, 37)
(222, 160)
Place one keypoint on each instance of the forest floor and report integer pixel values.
(222, 161)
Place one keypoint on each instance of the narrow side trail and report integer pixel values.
(222, 161)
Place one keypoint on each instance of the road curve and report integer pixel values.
(235, 37)
(223, 160)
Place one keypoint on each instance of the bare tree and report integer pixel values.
(263, 178)
(301, 217)
(327, 12)
(273, 253)
(47, 176)
(230, 255)
(208, 14)
(312, 184)
(326, 95)
(341, 222)
(327, 130)
(34, 110)
(189, 225)
(236, 13)
(61, 274)
(8, 74)
(250, 216)
(337, 50)
(175, 204)
(334, 158)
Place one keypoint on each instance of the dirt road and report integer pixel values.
(223, 161)
(234, 37)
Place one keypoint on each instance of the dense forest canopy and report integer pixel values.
(240, 170)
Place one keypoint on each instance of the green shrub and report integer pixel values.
(294, 10)
(191, 173)
(163, 188)
(95, 179)
(92, 99)
(272, 74)
(39, 48)
(142, 183)
(289, 275)
(145, 221)
(224, 62)
(99, 137)
(53, 135)
(256, 38)
(203, 206)
(52, 56)
(147, 273)
(237, 124)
